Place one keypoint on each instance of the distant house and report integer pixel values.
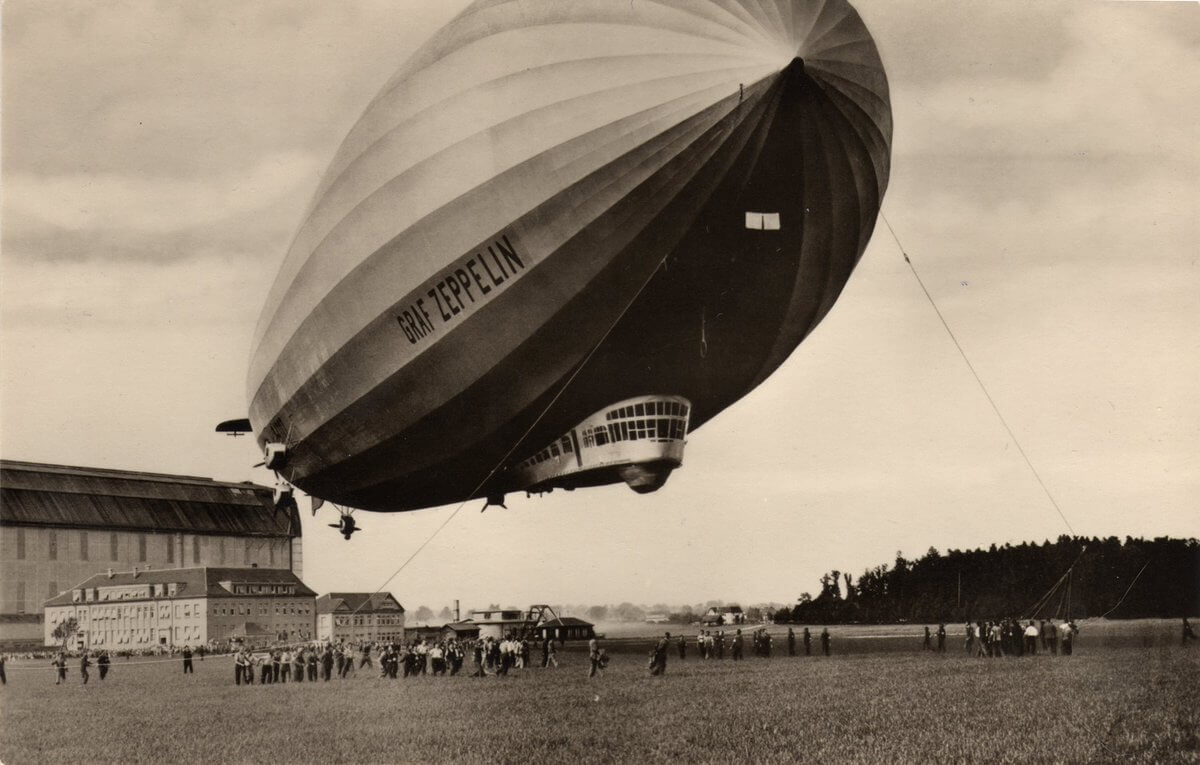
(719, 615)
(465, 630)
(359, 616)
(566, 628)
(498, 622)
(423, 632)
(658, 618)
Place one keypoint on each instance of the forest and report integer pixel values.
(1073, 577)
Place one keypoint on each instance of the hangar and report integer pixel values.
(60, 525)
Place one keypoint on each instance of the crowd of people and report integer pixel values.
(1008, 637)
(323, 661)
(327, 660)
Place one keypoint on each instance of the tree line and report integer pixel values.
(1072, 576)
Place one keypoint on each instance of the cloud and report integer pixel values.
(1125, 85)
(113, 201)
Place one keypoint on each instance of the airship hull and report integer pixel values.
(684, 245)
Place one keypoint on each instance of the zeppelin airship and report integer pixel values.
(563, 236)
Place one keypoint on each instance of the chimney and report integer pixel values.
(457, 618)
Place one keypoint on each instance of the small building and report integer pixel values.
(465, 630)
(144, 609)
(566, 628)
(359, 617)
(427, 632)
(719, 615)
(496, 622)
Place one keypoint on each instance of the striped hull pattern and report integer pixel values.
(463, 292)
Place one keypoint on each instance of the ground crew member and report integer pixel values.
(312, 665)
(941, 634)
(737, 646)
(927, 645)
(594, 656)
(682, 648)
(365, 661)
(791, 642)
(265, 674)
(187, 661)
(102, 663)
(807, 642)
(658, 660)
(1031, 638)
(276, 664)
(84, 663)
(60, 664)
(326, 663)
(238, 668)
(3, 678)
(825, 640)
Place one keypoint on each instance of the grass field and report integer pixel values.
(1114, 700)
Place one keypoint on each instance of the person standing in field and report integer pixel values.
(594, 656)
(84, 663)
(1031, 638)
(825, 640)
(60, 664)
(3, 678)
(927, 645)
(311, 664)
(683, 648)
(658, 660)
(941, 636)
(102, 662)
(552, 657)
(187, 661)
(238, 669)
(970, 642)
(807, 642)
(997, 645)
(791, 640)
(1187, 632)
(737, 646)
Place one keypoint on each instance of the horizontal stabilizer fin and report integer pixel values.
(235, 426)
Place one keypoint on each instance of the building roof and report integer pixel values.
(35, 494)
(357, 602)
(464, 627)
(195, 583)
(725, 610)
(565, 621)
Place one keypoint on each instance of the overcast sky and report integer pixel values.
(157, 158)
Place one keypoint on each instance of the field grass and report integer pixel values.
(1113, 701)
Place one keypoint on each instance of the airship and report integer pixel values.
(561, 238)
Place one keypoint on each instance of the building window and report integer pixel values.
(196, 550)
(170, 548)
(53, 544)
(20, 545)
(114, 546)
(83, 550)
(141, 547)
(246, 556)
(20, 597)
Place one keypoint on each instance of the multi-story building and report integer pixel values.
(60, 525)
(141, 609)
(359, 616)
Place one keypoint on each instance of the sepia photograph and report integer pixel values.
(474, 381)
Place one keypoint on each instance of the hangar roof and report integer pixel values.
(35, 494)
